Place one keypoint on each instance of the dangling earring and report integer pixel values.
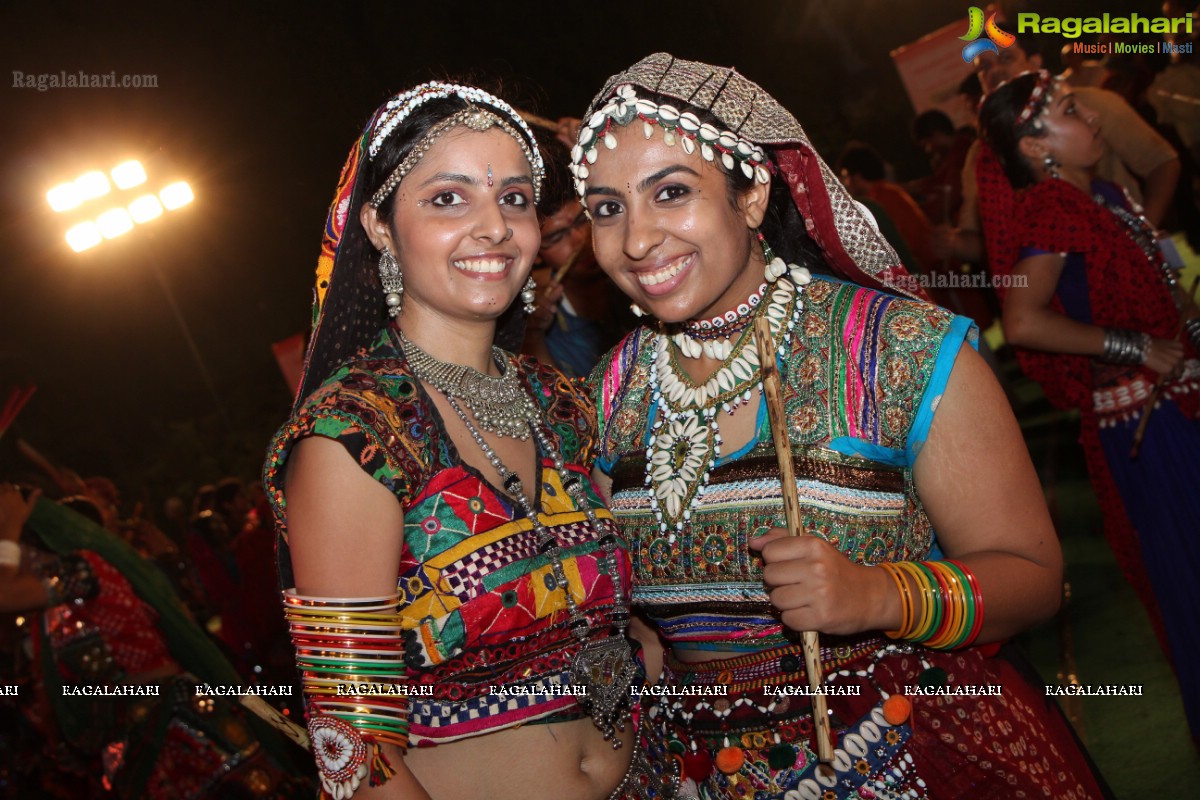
(637, 310)
(529, 296)
(774, 264)
(392, 280)
(1050, 165)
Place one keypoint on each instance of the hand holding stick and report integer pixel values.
(791, 509)
(269, 714)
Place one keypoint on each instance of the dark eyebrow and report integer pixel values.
(645, 183)
(1068, 96)
(650, 180)
(448, 177)
(454, 177)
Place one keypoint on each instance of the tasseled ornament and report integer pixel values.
(381, 771)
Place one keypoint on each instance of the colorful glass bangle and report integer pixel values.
(931, 611)
(906, 601)
(953, 611)
(976, 600)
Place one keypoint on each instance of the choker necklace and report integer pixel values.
(714, 337)
(685, 439)
(496, 403)
(603, 667)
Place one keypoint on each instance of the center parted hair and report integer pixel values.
(349, 308)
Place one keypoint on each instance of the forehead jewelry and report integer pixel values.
(398, 109)
(472, 118)
(726, 148)
(489, 179)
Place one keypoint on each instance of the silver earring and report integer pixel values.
(637, 310)
(392, 280)
(1050, 165)
(529, 296)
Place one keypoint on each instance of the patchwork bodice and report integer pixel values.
(479, 602)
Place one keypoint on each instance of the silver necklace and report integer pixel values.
(604, 667)
(494, 401)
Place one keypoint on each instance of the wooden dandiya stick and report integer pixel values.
(269, 714)
(535, 119)
(1159, 385)
(791, 509)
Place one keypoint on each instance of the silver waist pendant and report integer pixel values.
(604, 668)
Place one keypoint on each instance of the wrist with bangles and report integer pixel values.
(1125, 346)
(351, 655)
(946, 611)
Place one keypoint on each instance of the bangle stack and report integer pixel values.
(1123, 346)
(351, 655)
(1192, 327)
(950, 613)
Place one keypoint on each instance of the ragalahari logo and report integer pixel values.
(995, 40)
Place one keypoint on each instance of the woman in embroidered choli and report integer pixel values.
(437, 520)
(914, 481)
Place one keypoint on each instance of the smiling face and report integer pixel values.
(463, 229)
(664, 229)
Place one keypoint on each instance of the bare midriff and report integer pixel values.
(554, 760)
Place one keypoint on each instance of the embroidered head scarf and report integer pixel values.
(348, 304)
(758, 136)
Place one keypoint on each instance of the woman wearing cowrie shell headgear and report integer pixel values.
(711, 210)
(456, 590)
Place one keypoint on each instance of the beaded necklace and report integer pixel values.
(604, 667)
(714, 337)
(1142, 232)
(685, 438)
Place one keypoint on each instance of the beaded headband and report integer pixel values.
(398, 109)
(473, 118)
(1038, 98)
(685, 127)
(757, 124)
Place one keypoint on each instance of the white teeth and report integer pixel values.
(662, 275)
(482, 265)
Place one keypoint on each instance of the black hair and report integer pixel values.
(931, 123)
(227, 490)
(998, 125)
(861, 159)
(558, 188)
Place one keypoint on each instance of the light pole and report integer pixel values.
(122, 218)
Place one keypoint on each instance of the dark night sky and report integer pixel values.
(256, 105)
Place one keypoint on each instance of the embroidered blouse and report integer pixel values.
(865, 376)
(479, 602)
